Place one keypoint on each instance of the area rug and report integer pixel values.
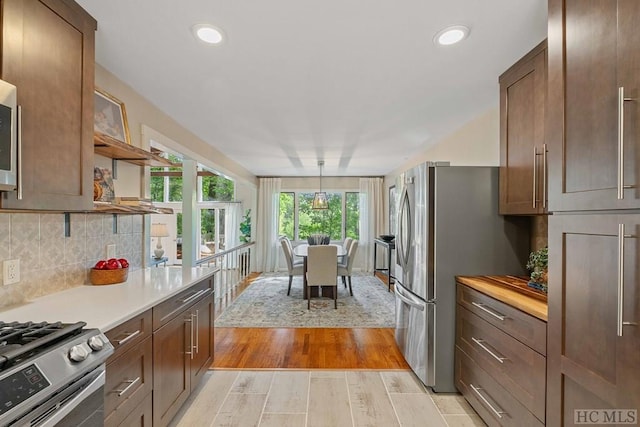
(265, 304)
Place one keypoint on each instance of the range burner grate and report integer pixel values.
(21, 340)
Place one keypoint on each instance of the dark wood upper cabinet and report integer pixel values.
(593, 348)
(592, 127)
(48, 54)
(523, 152)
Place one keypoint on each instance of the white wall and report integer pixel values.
(141, 112)
(476, 143)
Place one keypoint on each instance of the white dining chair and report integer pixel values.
(294, 268)
(322, 270)
(344, 269)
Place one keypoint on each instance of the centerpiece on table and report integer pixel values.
(318, 239)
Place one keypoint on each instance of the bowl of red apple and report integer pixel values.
(109, 271)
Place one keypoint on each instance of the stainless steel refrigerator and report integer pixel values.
(447, 225)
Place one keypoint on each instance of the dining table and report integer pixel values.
(302, 250)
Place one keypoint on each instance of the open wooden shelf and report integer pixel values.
(114, 149)
(105, 207)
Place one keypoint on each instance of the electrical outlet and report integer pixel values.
(11, 271)
(111, 251)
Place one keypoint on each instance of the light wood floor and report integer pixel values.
(303, 348)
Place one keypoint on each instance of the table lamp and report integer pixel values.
(159, 231)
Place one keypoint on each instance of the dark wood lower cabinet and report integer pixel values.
(203, 334)
(594, 312)
(171, 374)
(155, 368)
(182, 349)
(142, 415)
(500, 359)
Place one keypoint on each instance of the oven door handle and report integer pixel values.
(58, 415)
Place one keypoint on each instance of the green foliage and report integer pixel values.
(324, 221)
(352, 215)
(319, 221)
(217, 188)
(245, 227)
(538, 264)
(214, 188)
(286, 217)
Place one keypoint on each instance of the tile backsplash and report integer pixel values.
(51, 262)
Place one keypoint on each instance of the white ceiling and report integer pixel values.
(358, 83)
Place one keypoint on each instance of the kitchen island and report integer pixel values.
(160, 323)
(107, 306)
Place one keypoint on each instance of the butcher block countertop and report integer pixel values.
(510, 290)
(107, 306)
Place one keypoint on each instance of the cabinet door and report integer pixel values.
(171, 367)
(592, 54)
(203, 349)
(48, 53)
(594, 307)
(522, 139)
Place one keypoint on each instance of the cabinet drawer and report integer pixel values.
(141, 415)
(494, 404)
(129, 334)
(128, 382)
(522, 326)
(518, 368)
(167, 310)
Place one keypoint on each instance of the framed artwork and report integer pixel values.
(392, 210)
(110, 117)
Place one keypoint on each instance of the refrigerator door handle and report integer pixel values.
(404, 227)
(408, 300)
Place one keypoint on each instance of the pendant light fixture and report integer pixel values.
(320, 198)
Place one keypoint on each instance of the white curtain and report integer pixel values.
(371, 218)
(267, 246)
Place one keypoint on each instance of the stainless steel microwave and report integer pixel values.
(8, 136)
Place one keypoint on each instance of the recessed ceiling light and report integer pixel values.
(451, 35)
(207, 33)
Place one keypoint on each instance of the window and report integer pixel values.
(286, 226)
(297, 220)
(166, 182)
(214, 191)
(352, 215)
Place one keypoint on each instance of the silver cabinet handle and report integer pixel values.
(491, 312)
(544, 175)
(621, 101)
(488, 350)
(535, 177)
(189, 320)
(620, 276)
(19, 180)
(128, 336)
(130, 383)
(499, 412)
(621, 323)
(193, 297)
(197, 331)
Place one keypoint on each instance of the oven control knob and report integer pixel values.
(78, 353)
(95, 343)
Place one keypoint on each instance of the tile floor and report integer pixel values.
(288, 398)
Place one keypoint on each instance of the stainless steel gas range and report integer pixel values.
(52, 374)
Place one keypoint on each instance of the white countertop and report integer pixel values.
(107, 306)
